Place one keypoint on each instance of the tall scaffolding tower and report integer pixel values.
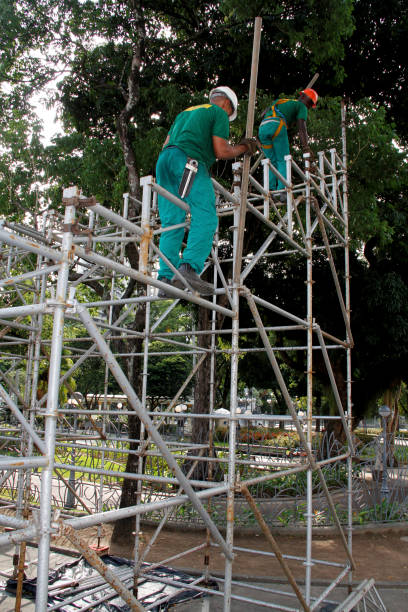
(37, 283)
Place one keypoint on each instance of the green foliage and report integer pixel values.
(295, 514)
(167, 373)
(295, 485)
(290, 29)
(185, 51)
(21, 165)
(94, 164)
(378, 170)
(383, 512)
(372, 59)
(90, 379)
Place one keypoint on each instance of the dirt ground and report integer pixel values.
(381, 554)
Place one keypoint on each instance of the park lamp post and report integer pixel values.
(384, 413)
(71, 501)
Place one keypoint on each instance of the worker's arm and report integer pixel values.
(304, 140)
(224, 150)
(166, 141)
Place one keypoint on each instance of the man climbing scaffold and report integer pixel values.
(273, 132)
(198, 136)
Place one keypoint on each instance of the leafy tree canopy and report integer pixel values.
(166, 56)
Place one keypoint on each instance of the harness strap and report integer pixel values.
(274, 112)
(282, 123)
(275, 115)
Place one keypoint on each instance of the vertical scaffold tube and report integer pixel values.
(29, 400)
(309, 379)
(237, 167)
(51, 414)
(265, 169)
(289, 195)
(142, 446)
(146, 184)
(207, 549)
(248, 133)
(349, 339)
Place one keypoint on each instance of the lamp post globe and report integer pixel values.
(384, 411)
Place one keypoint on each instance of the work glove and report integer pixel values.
(313, 168)
(251, 144)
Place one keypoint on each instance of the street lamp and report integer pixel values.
(384, 413)
(71, 501)
(180, 421)
(248, 412)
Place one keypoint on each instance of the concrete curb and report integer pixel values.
(300, 531)
(301, 582)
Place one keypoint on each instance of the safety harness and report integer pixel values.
(273, 114)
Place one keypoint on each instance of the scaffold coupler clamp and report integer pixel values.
(187, 180)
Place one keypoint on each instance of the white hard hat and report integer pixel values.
(228, 93)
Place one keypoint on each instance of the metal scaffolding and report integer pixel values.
(37, 284)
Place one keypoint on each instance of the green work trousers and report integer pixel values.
(275, 147)
(203, 223)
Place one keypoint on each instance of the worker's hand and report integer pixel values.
(313, 168)
(251, 145)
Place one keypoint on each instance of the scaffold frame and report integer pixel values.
(91, 239)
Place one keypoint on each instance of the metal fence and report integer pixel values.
(378, 495)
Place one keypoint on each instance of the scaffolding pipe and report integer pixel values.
(22, 420)
(289, 404)
(15, 537)
(309, 384)
(156, 437)
(247, 159)
(52, 412)
(102, 568)
(274, 545)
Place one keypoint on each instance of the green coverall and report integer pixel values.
(273, 134)
(190, 136)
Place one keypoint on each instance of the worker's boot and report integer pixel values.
(192, 278)
(162, 292)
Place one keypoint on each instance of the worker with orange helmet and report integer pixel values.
(273, 131)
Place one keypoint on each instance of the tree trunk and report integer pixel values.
(201, 427)
(132, 97)
(334, 437)
(124, 529)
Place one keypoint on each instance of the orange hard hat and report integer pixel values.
(310, 93)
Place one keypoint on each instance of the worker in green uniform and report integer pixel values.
(198, 136)
(273, 131)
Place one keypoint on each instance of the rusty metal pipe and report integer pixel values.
(274, 545)
(100, 567)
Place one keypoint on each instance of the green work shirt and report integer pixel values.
(292, 110)
(193, 129)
